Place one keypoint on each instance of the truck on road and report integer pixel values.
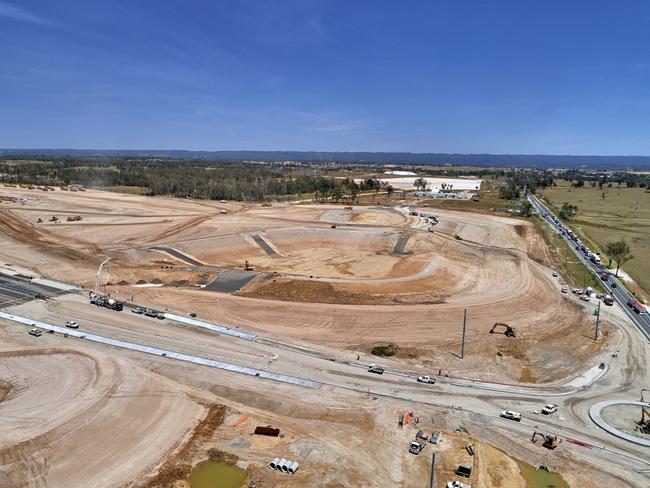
(375, 368)
(107, 302)
(636, 305)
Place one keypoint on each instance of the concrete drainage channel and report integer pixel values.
(162, 352)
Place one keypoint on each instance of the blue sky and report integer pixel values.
(551, 77)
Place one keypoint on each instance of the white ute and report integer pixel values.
(426, 379)
(71, 324)
(511, 415)
(549, 409)
(35, 332)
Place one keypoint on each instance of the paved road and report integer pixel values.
(613, 286)
(178, 254)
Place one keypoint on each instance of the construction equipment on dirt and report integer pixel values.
(457, 237)
(247, 266)
(267, 204)
(54, 218)
(508, 332)
(420, 442)
(644, 423)
(39, 221)
(74, 218)
(549, 441)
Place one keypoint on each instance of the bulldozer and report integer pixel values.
(247, 266)
(550, 441)
(509, 331)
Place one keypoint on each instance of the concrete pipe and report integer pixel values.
(274, 464)
(293, 468)
(281, 465)
(285, 466)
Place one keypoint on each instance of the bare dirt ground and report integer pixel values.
(62, 398)
(327, 285)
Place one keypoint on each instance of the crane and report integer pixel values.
(509, 332)
(99, 272)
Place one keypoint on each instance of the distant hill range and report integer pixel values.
(502, 160)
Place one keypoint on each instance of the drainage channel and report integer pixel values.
(163, 352)
(221, 329)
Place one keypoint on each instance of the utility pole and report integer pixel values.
(462, 346)
(597, 321)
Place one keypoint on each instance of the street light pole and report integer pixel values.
(462, 346)
(597, 321)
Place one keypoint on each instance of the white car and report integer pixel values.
(71, 324)
(565, 289)
(584, 298)
(426, 379)
(35, 332)
(549, 409)
(511, 415)
(554, 274)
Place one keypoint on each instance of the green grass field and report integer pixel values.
(623, 213)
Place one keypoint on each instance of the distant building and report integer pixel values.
(399, 173)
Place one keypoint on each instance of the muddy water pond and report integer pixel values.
(210, 474)
(538, 478)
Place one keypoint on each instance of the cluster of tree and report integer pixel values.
(195, 179)
(568, 211)
(580, 178)
(618, 252)
(519, 180)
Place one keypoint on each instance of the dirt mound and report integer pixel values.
(308, 291)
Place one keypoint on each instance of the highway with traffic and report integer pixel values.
(613, 285)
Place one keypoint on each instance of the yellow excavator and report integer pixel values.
(509, 331)
(549, 441)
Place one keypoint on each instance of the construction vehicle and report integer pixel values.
(105, 301)
(644, 424)
(74, 218)
(267, 204)
(247, 266)
(549, 441)
(509, 331)
(457, 237)
(419, 443)
(54, 219)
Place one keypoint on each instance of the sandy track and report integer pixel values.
(63, 398)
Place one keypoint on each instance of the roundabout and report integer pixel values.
(595, 413)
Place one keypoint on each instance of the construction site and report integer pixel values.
(181, 336)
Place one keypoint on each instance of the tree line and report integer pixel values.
(194, 179)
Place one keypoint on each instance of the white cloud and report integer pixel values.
(13, 12)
